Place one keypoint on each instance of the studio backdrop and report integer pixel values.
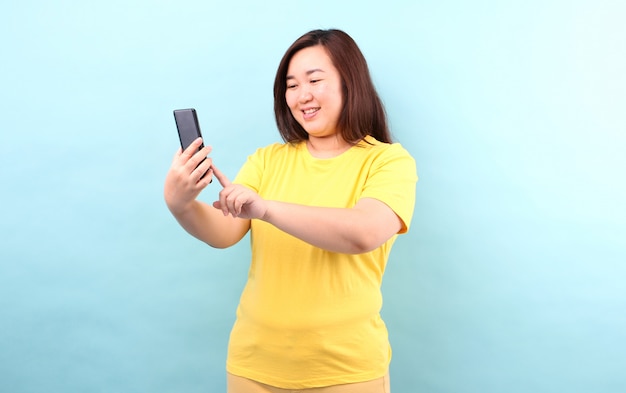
(511, 279)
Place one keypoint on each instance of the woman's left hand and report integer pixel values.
(237, 200)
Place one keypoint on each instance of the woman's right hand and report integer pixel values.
(184, 180)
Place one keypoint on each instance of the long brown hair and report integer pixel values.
(363, 112)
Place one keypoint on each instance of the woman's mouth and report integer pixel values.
(310, 112)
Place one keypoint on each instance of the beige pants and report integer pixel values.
(243, 385)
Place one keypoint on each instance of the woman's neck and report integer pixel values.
(327, 147)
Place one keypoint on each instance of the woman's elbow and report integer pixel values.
(370, 238)
(366, 242)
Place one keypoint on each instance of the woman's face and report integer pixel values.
(314, 91)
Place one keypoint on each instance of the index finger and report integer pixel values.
(193, 147)
(220, 176)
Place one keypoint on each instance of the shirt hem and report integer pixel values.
(308, 383)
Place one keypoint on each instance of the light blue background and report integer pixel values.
(512, 279)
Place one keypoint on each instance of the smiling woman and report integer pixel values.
(511, 278)
(324, 210)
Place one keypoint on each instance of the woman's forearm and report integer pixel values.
(352, 230)
(209, 225)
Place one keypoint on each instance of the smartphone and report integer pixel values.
(188, 128)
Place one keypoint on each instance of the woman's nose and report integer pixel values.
(305, 96)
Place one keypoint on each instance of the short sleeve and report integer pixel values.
(251, 172)
(392, 180)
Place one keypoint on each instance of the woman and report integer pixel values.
(324, 209)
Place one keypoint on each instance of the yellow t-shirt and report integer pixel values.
(308, 317)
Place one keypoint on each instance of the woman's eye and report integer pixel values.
(314, 80)
(291, 86)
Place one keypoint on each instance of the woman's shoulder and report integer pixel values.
(277, 148)
(378, 148)
(274, 153)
